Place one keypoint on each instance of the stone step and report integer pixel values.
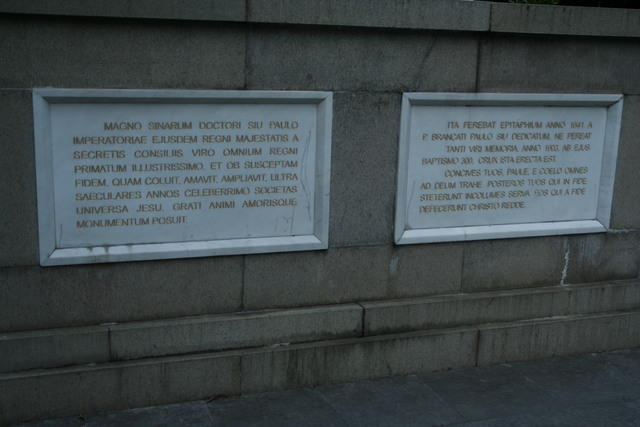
(383, 317)
(51, 348)
(92, 388)
(135, 340)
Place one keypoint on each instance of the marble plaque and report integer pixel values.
(482, 166)
(145, 174)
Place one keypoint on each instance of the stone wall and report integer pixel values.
(79, 339)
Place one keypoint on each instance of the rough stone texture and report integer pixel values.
(465, 309)
(210, 10)
(534, 339)
(604, 297)
(38, 298)
(513, 63)
(354, 274)
(429, 14)
(348, 360)
(359, 59)
(626, 197)
(90, 389)
(599, 257)
(207, 333)
(417, 270)
(324, 277)
(18, 217)
(62, 347)
(120, 54)
(589, 21)
(363, 168)
(512, 263)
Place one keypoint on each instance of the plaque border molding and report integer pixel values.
(613, 103)
(50, 255)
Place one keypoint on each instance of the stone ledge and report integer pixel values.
(20, 351)
(565, 20)
(222, 332)
(412, 14)
(450, 15)
(329, 362)
(445, 311)
(200, 10)
(566, 335)
(117, 385)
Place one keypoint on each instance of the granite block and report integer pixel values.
(513, 263)
(360, 60)
(84, 295)
(18, 215)
(599, 257)
(79, 53)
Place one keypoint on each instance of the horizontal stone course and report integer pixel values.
(603, 256)
(464, 309)
(90, 53)
(137, 340)
(354, 359)
(419, 14)
(39, 298)
(537, 338)
(498, 306)
(563, 20)
(363, 59)
(116, 385)
(220, 332)
(90, 389)
(543, 64)
(53, 347)
(513, 263)
(208, 10)
(453, 15)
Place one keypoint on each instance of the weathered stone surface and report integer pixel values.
(353, 359)
(511, 63)
(18, 217)
(92, 294)
(626, 197)
(418, 270)
(429, 14)
(207, 333)
(120, 54)
(512, 263)
(598, 257)
(90, 389)
(584, 21)
(363, 168)
(534, 339)
(359, 59)
(305, 278)
(52, 348)
(603, 297)
(463, 309)
(210, 10)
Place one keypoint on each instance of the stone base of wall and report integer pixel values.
(82, 370)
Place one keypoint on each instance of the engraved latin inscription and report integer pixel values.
(151, 173)
(485, 165)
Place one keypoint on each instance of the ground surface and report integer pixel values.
(589, 390)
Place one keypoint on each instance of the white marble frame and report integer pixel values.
(50, 255)
(613, 103)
